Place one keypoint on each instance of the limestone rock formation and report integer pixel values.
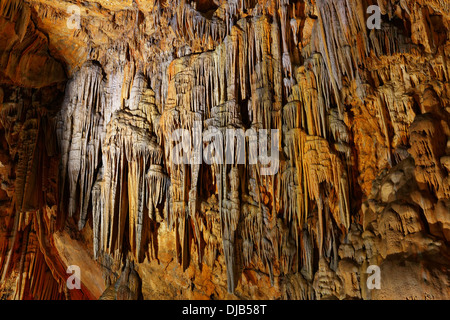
(314, 147)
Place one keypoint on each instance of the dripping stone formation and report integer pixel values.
(92, 92)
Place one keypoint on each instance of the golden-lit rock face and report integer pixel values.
(25, 59)
(93, 93)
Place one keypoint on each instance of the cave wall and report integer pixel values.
(88, 174)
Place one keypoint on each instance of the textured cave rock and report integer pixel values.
(86, 155)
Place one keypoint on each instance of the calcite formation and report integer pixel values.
(341, 133)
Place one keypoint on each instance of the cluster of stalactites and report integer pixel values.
(80, 134)
(193, 26)
(247, 79)
(133, 182)
(207, 86)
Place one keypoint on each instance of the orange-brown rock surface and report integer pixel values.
(93, 92)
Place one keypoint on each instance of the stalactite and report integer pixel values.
(80, 138)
